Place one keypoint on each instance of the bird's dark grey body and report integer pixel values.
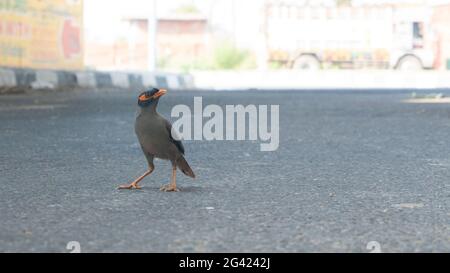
(154, 135)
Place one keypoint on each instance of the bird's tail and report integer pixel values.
(184, 167)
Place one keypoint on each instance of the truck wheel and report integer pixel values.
(306, 62)
(409, 63)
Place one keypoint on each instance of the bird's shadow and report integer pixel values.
(192, 189)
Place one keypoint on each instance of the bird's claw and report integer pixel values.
(169, 187)
(129, 187)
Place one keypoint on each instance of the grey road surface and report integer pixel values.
(352, 167)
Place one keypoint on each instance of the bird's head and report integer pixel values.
(150, 97)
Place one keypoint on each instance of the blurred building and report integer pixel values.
(441, 23)
(187, 31)
(180, 39)
(41, 34)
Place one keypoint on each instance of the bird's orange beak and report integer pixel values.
(159, 93)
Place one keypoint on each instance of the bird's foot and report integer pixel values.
(169, 187)
(129, 186)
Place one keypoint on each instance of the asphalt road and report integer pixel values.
(352, 167)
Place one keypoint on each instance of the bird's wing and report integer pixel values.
(174, 141)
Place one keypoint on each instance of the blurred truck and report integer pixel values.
(382, 37)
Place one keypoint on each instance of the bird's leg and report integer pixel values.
(173, 184)
(134, 184)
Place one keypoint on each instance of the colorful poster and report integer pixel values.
(41, 34)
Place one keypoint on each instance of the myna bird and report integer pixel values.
(154, 133)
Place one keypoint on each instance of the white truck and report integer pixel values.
(384, 36)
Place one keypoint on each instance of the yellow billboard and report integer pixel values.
(41, 34)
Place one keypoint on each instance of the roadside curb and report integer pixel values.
(15, 80)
